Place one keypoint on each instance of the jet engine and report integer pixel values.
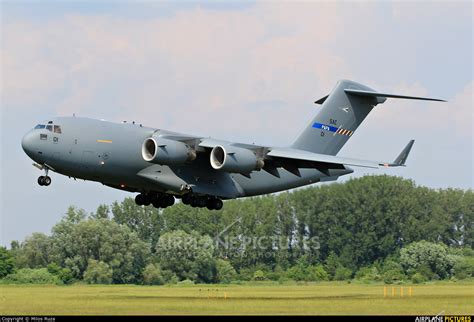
(234, 159)
(164, 151)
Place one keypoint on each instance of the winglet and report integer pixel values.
(402, 157)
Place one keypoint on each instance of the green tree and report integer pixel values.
(64, 274)
(98, 272)
(152, 275)
(74, 243)
(317, 273)
(359, 226)
(332, 264)
(342, 274)
(34, 252)
(189, 256)
(427, 255)
(32, 276)
(299, 272)
(368, 273)
(225, 273)
(101, 212)
(7, 264)
(146, 222)
(259, 275)
(464, 267)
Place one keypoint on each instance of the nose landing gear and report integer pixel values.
(43, 180)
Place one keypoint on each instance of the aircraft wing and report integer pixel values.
(300, 155)
(330, 161)
(294, 159)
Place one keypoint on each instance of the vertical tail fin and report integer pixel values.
(341, 114)
(339, 117)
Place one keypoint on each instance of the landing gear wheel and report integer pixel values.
(218, 204)
(168, 200)
(201, 202)
(146, 200)
(139, 200)
(186, 199)
(46, 181)
(194, 202)
(41, 180)
(214, 204)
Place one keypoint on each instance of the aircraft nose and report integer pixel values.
(27, 143)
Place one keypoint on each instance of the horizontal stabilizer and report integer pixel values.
(358, 92)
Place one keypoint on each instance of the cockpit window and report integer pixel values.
(49, 127)
(40, 126)
(57, 129)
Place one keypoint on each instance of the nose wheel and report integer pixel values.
(44, 181)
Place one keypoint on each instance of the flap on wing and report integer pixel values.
(176, 137)
(288, 153)
(211, 143)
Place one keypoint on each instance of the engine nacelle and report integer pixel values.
(234, 159)
(163, 151)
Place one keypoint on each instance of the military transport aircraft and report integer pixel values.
(161, 165)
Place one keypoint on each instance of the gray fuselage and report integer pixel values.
(111, 153)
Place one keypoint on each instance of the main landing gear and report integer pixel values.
(163, 200)
(158, 200)
(212, 203)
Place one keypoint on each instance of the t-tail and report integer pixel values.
(342, 111)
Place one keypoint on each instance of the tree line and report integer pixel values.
(374, 228)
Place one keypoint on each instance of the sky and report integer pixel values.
(242, 71)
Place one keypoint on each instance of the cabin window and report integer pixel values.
(57, 129)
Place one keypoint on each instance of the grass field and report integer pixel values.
(320, 298)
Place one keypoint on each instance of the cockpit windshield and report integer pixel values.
(50, 127)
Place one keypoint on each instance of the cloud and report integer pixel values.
(453, 118)
(210, 71)
(193, 63)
